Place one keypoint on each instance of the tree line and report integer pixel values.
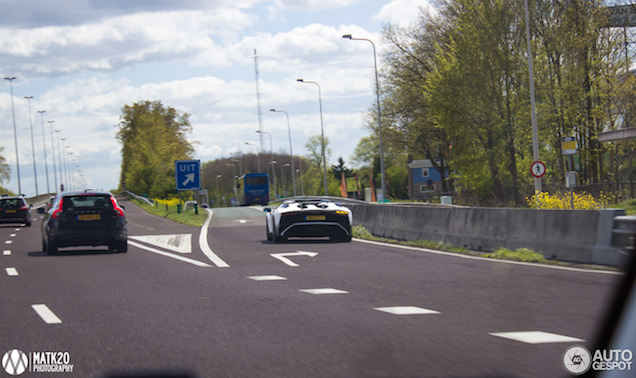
(455, 90)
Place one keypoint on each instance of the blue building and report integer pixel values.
(424, 180)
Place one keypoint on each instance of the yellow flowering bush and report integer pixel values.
(172, 202)
(563, 201)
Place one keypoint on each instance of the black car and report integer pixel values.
(84, 219)
(14, 210)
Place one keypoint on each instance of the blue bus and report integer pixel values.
(254, 189)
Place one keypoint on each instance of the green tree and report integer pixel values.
(5, 170)
(314, 147)
(153, 137)
(457, 91)
(338, 169)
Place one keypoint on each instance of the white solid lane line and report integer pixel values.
(203, 243)
(162, 253)
(46, 314)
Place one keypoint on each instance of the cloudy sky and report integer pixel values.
(82, 60)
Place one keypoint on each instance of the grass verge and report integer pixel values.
(186, 216)
(521, 254)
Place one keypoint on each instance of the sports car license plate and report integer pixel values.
(315, 217)
(88, 217)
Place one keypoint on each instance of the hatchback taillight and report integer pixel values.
(57, 211)
(24, 207)
(118, 210)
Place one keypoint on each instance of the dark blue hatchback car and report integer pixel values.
(14, 210)
(84, 219)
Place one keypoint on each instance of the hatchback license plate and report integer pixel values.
(88, 217)
(315, 217)
(11, 211)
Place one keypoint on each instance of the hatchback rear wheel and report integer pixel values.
(49, 247)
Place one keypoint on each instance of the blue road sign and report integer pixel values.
(188, 174)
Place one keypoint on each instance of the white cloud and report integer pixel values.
(402, 12)
(198, 61)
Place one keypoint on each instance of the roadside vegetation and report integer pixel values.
(521, 254)
(169, 210)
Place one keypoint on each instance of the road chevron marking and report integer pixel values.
(181, 243)
(177, 257)
(283, 256)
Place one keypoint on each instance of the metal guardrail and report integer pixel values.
(149, 202)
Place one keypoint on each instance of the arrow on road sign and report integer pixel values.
(283, 256)
(189, 179)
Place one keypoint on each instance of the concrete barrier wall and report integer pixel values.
(582, 236)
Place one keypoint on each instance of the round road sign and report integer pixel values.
(537, 169)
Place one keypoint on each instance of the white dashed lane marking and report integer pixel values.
(46, 314)
(12, 272)
(537, 337)
(323, 291)
(406, 310)
(6, 252)
(267, 278)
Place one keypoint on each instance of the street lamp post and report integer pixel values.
(291, 154)
(53, 154)
(377, 93)
(282, 174)
(218, 200)
(46, 166)
(322, 133)
(273, 164)
(35, 171)
(240, 166)
(258, 156)
(59, 160)
(271, 150)
(15, 133)
(234, 181)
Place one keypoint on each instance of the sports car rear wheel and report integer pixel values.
(278, 238)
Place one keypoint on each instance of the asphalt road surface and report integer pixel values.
(226, 303)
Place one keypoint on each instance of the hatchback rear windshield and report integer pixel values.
(84, 201)
(11, 203)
